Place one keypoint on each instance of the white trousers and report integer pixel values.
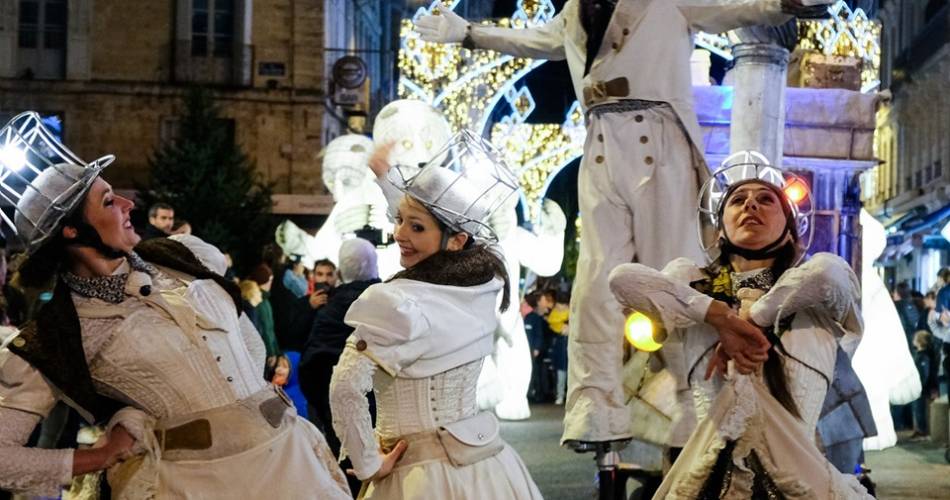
(637, 191)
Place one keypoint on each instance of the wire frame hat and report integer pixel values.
(41, 178)
(463, 185)
(749, 166)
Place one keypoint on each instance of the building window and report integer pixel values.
(918, 178)
(907, 183)
(41, 39)
(212, 28)
(938, 169)
(42, 24)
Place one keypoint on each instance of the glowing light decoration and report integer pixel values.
(12, 157)
(848, 33)
(796, 191)
(464, 84)
(639, 332)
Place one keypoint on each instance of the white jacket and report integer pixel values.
(648, 42)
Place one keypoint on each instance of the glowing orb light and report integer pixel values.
(796, 191)
(639, 332)
(12, 157)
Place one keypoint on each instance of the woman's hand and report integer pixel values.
(379, 161)
(389, 461)
(112, 449)
(119, 443)
(740, 340)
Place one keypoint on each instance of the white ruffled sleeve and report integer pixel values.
(825, 285)
(352, 379)
(665, 295)
(25, 398)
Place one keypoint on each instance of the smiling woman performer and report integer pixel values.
(757, 434)
(145, 337)
(420, 339)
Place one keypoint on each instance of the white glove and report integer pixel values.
(444, 27)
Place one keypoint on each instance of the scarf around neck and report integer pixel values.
(108, 288)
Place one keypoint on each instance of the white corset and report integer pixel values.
(406, 406)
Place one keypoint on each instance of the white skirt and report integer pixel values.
(747, 414)
(501, 477)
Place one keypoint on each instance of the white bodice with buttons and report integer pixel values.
(171, 349)
(178, 350)
(407, 406)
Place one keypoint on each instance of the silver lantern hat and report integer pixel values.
(743, 167)
(41, 178)
(462, 185)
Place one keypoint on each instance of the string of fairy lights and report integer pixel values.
(468, 85)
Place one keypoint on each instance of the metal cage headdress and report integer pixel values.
(463, 185)
(40, 178)
(747, 166)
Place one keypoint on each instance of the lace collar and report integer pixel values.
(108, 288)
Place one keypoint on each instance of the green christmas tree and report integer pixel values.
(209, 181)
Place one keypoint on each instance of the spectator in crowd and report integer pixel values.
(264, 318)
(324, 271)
(939, 325)
(943, 279)
(161, 217)
(908, 312)
(329, 333)
(558, 320)
(909, 316)
(536, 328)
(925, 357)
(293, 279)
(250, 299)
(181, 226)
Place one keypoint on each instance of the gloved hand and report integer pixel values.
(444, 27)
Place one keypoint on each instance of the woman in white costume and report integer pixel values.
(144, 337)
(420, 340)
(756, 436)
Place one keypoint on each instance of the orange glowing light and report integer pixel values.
(796, 191)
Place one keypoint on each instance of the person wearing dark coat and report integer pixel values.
(328, 337)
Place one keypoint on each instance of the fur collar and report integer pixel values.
(470, 267)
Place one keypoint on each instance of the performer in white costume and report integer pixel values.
(756, 437)
(420, 339)
(414, 132)
(506, 376)
(149, 340)
(630, 65)
(884, 343)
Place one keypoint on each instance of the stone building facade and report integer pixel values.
(114, 73)
(910, 190)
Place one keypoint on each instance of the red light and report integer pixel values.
(795, 191)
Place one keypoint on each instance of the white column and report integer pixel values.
(78, 59)
(758, 110)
